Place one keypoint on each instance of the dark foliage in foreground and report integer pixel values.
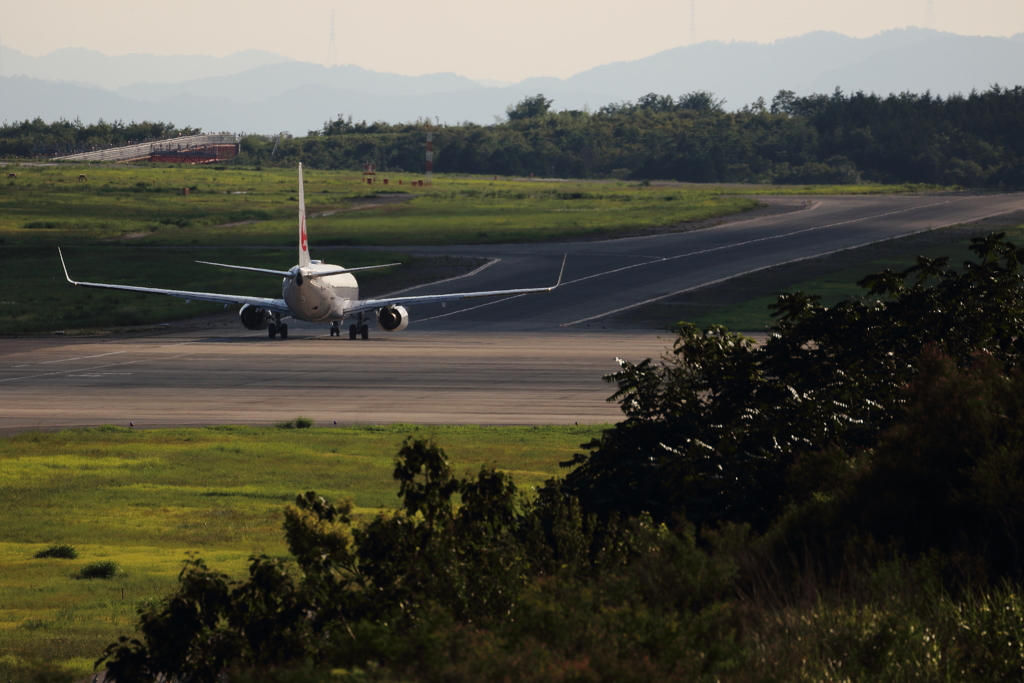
(716, 428)
(878, 444)
(409, 590)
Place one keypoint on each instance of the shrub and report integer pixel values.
(62, 551)
(298, 423)
(106, 569)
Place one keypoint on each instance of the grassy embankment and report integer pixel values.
(144, 499)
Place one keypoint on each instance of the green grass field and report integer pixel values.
(147, 499)
(145, 206)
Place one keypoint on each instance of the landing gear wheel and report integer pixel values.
(283, 331)
(352, 331)
(272, 331)
(364, 332)
(335, 330)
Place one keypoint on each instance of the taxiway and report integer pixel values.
(535, 359)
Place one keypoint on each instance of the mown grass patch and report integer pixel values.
(146, 499)
(145, 205)
(458, 211)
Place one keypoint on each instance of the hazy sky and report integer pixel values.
(508, 40)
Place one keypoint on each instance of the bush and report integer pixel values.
(298, 423)
(717, 426)
(106, 569)
(61, 551)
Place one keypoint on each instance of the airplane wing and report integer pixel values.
(274, 305)
(372, 304)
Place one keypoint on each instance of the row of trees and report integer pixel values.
(36, 137)
(872, 452)
(972, 140)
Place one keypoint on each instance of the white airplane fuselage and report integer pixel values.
(319, 299)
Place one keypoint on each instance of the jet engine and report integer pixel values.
(254, 317)
(393, 318)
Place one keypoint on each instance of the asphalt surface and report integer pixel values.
(228, 375)
(605, 278)
(534, 359)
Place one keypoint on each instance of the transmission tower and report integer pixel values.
(693, 22)
(929, 15)
(332, 47)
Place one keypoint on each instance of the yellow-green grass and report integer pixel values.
(144, 205)
(145, 499)
(753, 315)
(486, 211)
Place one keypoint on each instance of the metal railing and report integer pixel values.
(146, 149)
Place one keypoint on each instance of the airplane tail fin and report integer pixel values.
(303, 241)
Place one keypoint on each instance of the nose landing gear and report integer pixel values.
(335, 329)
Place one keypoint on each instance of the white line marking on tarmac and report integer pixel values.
(473, 308)
(98, 367)
(707, 251)
(755, 270)
(450, 279)
(62, 360)
(763, 239)
(65, 372)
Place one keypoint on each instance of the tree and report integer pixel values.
(713, 430)
(529, 108)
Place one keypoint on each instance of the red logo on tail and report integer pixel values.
(302, 234)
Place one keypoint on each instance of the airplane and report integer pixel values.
(316, 292)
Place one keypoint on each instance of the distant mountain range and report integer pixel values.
(256, 91)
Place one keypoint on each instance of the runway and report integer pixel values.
(533, 359)
(604, 278)
(238, 377)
